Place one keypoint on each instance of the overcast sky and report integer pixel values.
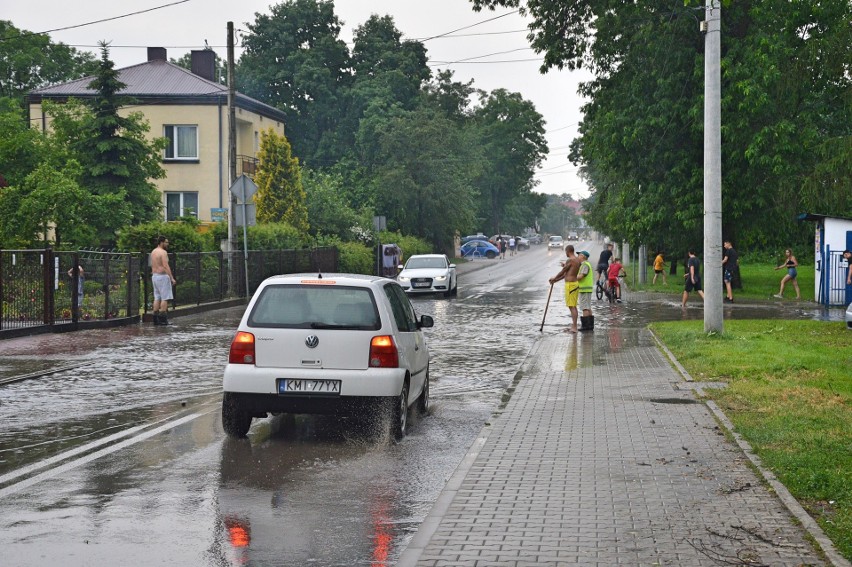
(497, 51)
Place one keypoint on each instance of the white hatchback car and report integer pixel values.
(428, 273)
(330, 344)
(555, 242)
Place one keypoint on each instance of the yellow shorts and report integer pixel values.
(572, 293)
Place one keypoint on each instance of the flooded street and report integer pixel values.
(113, 452)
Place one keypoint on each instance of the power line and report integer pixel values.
(470, 26)
(27, 34)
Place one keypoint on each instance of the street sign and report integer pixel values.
(250, 212)
(243, 188)
(218, 214)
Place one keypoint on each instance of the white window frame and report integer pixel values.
(173, 140)
(183, 208)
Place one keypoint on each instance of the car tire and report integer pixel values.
(236, 421)
(423, 401)
(399, 414)
(490, 255)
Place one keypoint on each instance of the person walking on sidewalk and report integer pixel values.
(586, 281)
(847, 255)
(730, 260)
(659, 268)
(692, 277)
(569, 273)
(162, 280)
(792, 275)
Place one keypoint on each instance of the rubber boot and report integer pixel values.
(156, 318)
(591, 322)
(163, 319)
(584, 323)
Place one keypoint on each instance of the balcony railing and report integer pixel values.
(247, 165)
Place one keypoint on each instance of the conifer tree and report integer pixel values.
(280, 195)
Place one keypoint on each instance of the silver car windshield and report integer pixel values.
(315, 307)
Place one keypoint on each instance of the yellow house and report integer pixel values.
(190, 109)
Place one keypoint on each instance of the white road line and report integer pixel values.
(93, 456)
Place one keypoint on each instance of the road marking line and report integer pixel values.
(17, 487)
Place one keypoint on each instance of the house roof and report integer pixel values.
(164, 81)
(818, 217)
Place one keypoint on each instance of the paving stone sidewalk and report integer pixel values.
(599, 459)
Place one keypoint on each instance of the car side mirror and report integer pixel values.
(452, 265)
(425, 321)
(399, 267)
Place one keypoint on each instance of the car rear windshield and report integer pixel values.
(315, 307)
(419, 263)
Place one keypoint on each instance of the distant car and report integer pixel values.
(534, 238)
(478, 249)
(520, 243)
(555, 242)
(849, 316)
(573, 235)
(329, 344)
(428, 273)
(470, 237)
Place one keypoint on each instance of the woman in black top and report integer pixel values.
(791, 264)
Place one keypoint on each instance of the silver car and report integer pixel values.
(328, 344)
(428, 273)
(849, 316)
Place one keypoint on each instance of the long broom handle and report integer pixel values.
(546, 305)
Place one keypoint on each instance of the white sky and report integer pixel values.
(187, 25)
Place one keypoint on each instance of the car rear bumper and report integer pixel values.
(261, 404)
(372, 382)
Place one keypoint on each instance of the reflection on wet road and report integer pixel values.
(122, 461)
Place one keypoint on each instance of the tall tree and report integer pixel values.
(30, 61)
(280, 195)
(295, 61)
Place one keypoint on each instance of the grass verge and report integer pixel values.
(789, 395)
(760, 281)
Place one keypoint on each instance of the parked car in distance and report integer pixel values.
(520, 243)
(555, 242)
(428, 273)
(534, 238)
(478, 249)
(469, 237)
(327, 344)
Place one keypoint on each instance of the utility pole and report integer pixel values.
(713, 319)
(232, 160)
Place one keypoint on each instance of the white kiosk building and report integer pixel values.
(833, 236)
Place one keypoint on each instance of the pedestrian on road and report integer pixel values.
(792, 274)
(503, 245)
(162, 280)
(730, 260)
(659, 268)
(586, 281)
(692, 277)
(572, 289)
(511, 246)
(615, 274)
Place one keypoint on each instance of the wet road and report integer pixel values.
(120, 458)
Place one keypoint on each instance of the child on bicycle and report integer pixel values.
(616, 271)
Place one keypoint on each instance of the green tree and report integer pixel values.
(295, 61)
(29, 61)
(20, 146)
(329, 211)
(511, 133)
(280, 195)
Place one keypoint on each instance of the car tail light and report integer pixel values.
(383, 353)
(238, 532)
(242, 349)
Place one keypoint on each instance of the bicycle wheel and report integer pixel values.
(599, 291)
(611, 294)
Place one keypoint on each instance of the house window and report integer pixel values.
(183, 142)
(181, 205)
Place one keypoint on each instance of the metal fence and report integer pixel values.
(41, 288)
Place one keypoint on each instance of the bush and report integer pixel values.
(143, 237)
(356, 258)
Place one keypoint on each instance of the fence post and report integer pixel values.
(47, 271)
(76, 307)
(2, 318)
(106, 286)
(198, 278)
(220, 286)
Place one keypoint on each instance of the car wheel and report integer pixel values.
(236, 421)
(490, 255)
(399, 414)
(423, 401)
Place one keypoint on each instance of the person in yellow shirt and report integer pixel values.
(659, 268)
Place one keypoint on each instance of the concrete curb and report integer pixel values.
(792, 505)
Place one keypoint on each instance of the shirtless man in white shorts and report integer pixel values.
(162, 280)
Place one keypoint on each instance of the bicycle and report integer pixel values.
(611, 292)
(601, 287)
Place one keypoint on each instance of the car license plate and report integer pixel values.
(303, 386)
(421, 284)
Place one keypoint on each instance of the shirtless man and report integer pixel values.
(572, 288)
(162, 280)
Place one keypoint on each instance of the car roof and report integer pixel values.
(326, 278)
(427, 256)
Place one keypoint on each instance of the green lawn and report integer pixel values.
(790, 395)
(759, 281)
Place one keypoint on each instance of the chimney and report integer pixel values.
(204, 63)
(157, 54)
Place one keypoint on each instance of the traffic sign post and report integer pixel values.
(243, 189)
